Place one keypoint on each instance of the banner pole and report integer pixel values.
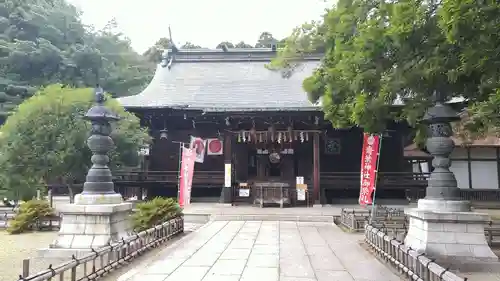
(376, 178)
(179, 170)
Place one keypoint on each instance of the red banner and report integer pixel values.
(369, 163)
(186, 176)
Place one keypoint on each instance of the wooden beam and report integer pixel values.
(316, 168)
(227, 194)
(469, 167)
(498, 165)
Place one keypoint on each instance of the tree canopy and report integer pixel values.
(382, 52)
(44, 42)
(44, 141)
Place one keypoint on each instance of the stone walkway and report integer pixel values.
(265, 251)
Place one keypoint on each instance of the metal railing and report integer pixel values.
(103, 260)
(355, 220)
(52, 222)
(408, 262)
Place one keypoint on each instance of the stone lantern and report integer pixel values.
(99, 216)
(442, 184)
(98, 187)
(443, 226)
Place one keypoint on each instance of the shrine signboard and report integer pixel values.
(333, 146)
(369, 163)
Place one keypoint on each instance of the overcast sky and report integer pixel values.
(202, 22)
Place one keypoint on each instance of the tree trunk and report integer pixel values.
(50, 196)
(71, 193)
(69, 184)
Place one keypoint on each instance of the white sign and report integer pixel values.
(244, 192)
(227, 175)
(299, 180)
(301, 194)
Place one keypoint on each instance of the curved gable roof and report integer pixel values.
(217, 80)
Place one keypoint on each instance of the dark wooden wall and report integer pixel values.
(348, 160)
(165, 154)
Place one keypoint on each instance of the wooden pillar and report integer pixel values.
(498, 165)
(469, 167)
(316, 169)
(226, 194)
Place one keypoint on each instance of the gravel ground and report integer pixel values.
(15, 248)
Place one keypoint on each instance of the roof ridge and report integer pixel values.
(225, 55)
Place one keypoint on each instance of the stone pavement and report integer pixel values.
(265, 251)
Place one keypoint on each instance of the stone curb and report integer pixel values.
(329, 219)
(127, 276)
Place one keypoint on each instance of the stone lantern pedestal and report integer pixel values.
(449, 232)
(99, 216)
(443, 226)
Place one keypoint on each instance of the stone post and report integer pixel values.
(443, 226)
(99, 215)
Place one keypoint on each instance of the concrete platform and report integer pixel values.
(265, 251)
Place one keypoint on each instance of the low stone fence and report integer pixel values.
(409, 263)
(103, 260)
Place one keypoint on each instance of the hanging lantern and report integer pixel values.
(164, 134)
(307, 136)
(279, 137)
(243, 136)
(272, 132)
(302, 139)
(253, 133)
(295, 136)
(290, 133)
(260, 137)
(239, 137)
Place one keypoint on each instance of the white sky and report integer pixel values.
(202, 22)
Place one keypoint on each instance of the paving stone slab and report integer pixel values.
(267, 251)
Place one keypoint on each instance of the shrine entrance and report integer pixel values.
(269, 175)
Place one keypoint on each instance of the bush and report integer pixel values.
(154, 212)
(28, 215)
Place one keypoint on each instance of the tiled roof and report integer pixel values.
(214, 80)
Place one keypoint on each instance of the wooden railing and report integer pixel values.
(408, 262)
(391, 180)
(395, 223)
(199, 177)
(103, 260)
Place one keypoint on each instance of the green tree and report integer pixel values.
(243, 45)
(381, 52)
(154, 52)
(226, 43)
(266, 39)
(189, 45)
(471, 27)
(45, 140)
(305, 39)
(44, 42)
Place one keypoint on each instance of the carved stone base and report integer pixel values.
(86, 227)
(98, 199)
(454, 239)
